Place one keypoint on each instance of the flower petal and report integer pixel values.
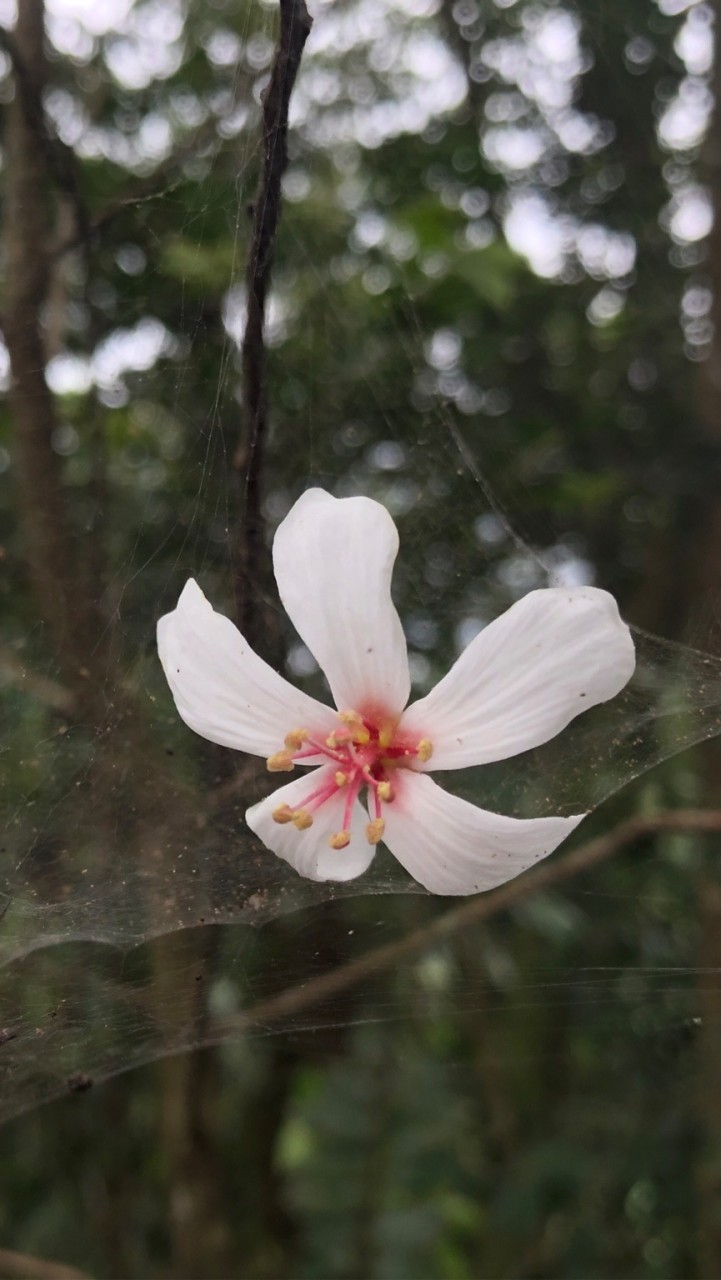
(222, 689)
(308, 851)
(552, 655)
(451, 846)
(333, 561)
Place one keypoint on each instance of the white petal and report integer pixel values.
(222, 689)
(333, 561)
(552, 655)
(308, 851)
(451, 846)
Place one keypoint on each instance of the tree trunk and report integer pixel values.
(61, 595)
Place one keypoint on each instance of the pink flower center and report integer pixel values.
(365, 751)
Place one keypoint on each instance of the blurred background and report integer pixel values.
(493, 308)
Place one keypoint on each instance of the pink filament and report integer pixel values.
(356, 762)
(320, 795)
(354, 787)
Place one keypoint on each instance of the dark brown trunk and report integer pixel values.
(52, 559)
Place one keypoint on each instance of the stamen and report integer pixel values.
(318, 796)
(351, 796)
(363, 755)
(359, 732)
(317, 749)
(280, 762)
(340, 840)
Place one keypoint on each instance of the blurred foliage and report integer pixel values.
(526, 1100)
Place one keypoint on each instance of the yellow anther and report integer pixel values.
(424, 750)
(358, 731)
(281, 762)
(350, 717)
(302, 819)
(386, 792)
(296, 738)
(386, 734)
(338, 738)
(283, 814)
(374, 830)
(340, 840)
(341, 778)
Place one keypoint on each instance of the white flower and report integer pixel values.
(552, 655)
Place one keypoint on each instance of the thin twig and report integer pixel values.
(149, 188)
(295, 24)
(294, 1000)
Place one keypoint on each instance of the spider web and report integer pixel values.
(133, 893)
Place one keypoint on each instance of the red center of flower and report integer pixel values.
(365, 750)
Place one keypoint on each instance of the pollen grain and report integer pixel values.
(340, 840)
(280, 762)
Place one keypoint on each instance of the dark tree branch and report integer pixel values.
(546, 875)
(24, 1266)
(295, 24)
(199, 1189)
